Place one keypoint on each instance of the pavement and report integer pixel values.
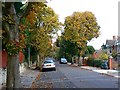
(113, 73)
(27, 77)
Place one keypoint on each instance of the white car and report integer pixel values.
(48, 64)
(63, 61)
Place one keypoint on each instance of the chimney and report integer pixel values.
(114, 38)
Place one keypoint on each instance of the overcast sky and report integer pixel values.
(106, 12)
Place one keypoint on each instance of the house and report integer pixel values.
(112, 46)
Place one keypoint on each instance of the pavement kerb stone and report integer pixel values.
(73, 65)
(108, 73)
(86, 69)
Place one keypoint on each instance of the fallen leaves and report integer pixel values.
(38, 77)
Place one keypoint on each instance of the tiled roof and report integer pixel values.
(110, 42)
(118, 39)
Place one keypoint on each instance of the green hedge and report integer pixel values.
(94, 63)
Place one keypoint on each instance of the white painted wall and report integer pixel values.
(3, 73)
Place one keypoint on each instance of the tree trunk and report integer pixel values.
(10, 77)
(79, 61)
(40, 64)
(38, 61)
(16, 73)
(29, 62)
(13, 74)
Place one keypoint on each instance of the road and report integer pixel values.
(67, 76)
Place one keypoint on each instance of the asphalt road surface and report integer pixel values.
(67, 76)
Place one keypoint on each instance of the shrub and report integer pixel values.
(97, 63)
(103, 56)
(93, 62)
(114, 54)
(90, 61)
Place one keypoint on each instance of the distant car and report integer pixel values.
(104, 65)
(48, 64)
(63, 61)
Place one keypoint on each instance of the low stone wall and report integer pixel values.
(2, 77)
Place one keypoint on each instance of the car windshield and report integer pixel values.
(63, 59)
(48, 61)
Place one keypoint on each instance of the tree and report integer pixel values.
(10, 24)
(13, 41)
(80, 28)
(47, 25)
(67, 49)
(44, 24)
(90, 50)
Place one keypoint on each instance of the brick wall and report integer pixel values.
(4, 58)
(114, 64)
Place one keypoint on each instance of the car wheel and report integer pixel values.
(43, 70)
(54, 69)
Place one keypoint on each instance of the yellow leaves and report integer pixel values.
(81, 27)
(32, 17)
(45, 22)
(42, 41)
(37, 8)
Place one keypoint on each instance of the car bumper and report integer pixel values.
(63, 62)
(49, 67)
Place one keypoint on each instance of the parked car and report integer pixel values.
(63, 61)
(104, 65)
(48, 64)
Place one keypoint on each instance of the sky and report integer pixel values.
(105, 11)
